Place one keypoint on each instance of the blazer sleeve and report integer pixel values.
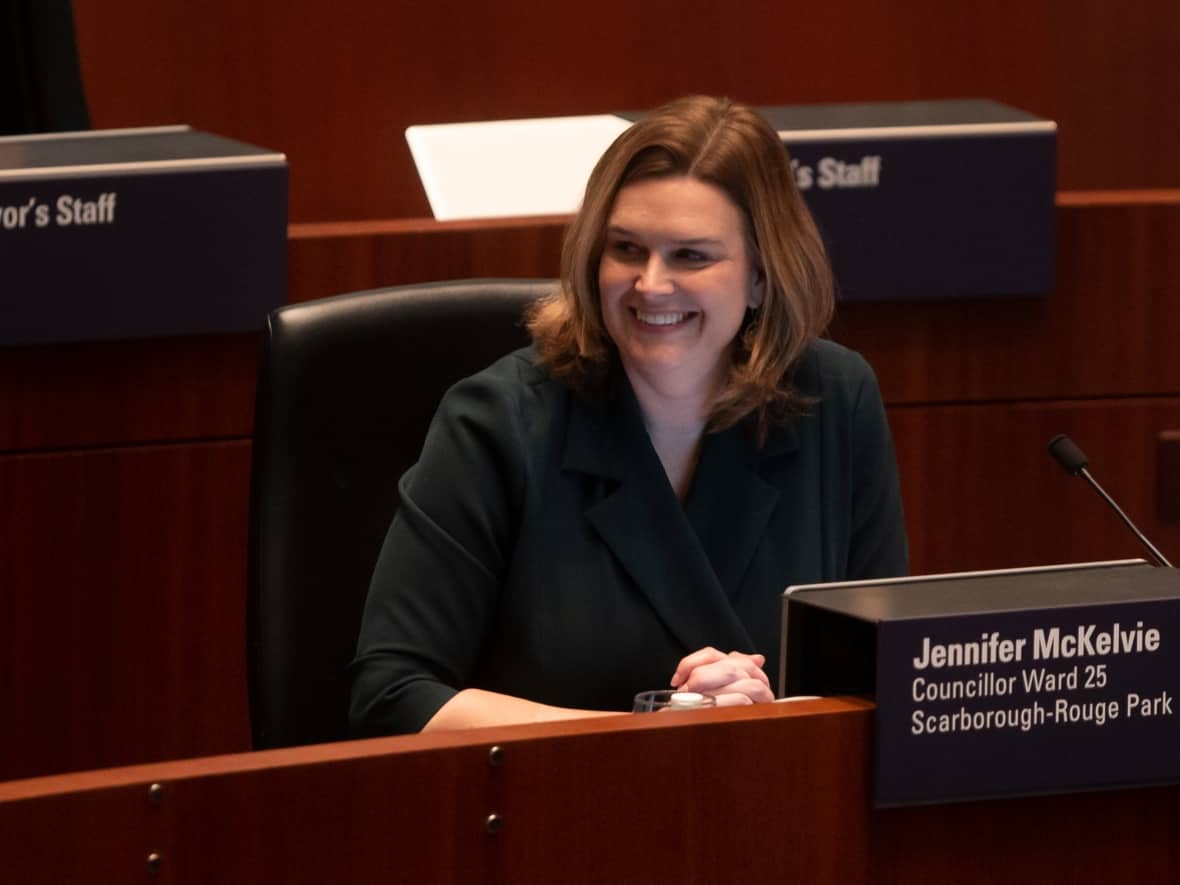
(434, 589)
(878, 547)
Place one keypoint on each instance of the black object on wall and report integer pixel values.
(40, 80)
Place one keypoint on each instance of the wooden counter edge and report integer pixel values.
(103, 779)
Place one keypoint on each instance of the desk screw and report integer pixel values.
(494, 823)
(495, 755)
(156, 793)
(153, 863)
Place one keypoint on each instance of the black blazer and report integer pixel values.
(540, 551)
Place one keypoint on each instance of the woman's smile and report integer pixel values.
(663, 320)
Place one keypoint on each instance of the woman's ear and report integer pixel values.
(757, 289)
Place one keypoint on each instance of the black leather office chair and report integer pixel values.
(346, 389)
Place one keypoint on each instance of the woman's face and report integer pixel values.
(675, 281)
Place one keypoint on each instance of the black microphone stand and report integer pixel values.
(1073, 462)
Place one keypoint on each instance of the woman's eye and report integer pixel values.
(691, 256)
(624, 249)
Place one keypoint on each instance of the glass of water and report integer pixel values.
(671, 699)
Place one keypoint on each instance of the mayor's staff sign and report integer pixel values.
(138, 233)
(1026, 702)
(64, 211)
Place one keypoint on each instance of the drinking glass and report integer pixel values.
(671, 699)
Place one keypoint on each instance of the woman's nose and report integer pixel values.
(654, 278)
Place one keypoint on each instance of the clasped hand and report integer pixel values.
(733, 679)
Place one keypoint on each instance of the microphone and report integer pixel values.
(1066, 453)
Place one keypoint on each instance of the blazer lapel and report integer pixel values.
(642, 523)
(734, 494)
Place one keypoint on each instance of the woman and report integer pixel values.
(600, 513)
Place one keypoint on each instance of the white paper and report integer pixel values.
(510, 167)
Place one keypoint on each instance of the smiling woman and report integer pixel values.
(597, 515)
(731, 148)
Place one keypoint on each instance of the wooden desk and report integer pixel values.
(769, 794)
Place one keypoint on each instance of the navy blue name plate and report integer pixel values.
(138, 233)
(928, 199)
(1004, 683)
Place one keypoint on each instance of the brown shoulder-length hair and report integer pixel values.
(733, 148)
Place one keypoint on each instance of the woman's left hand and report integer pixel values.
(733, 679)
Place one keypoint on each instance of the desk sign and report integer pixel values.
(1023, 683)
(134, 233)
(928, 199)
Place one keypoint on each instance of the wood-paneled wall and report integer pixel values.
(335, 85)
(124, 467)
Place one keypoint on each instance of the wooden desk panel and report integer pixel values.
(414, 809)
(776, 793)
(981, 490)
(122, 606)
(327, 259)
(116, 393)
